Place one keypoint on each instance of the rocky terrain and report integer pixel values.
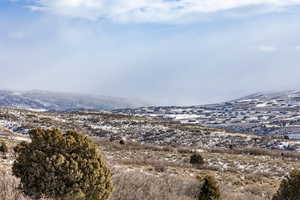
(276, 114)
(58, 101)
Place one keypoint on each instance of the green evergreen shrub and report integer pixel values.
(197, 159)
(209, 189)
(289, 188)
(3, 147)
(64, 166)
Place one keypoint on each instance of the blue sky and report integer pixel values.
(165, 52)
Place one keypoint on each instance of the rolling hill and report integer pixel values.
(58, 101)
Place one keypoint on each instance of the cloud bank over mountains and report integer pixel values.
(156, 11)
(148, 49)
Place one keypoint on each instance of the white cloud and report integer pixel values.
(267, 49)
(149, 10)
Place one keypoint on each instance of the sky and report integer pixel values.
(165, 52)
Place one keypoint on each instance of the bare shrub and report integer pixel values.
(9, 187)
(137, 185)
(260, 191)
(144, 161)
(249, 192)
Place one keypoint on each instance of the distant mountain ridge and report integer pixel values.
(60, 101)
(288, 95)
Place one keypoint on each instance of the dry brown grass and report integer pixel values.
(9, 187)
(134, 146)
(249, 192)
(134, 185)
(163, 172)
(130, 185)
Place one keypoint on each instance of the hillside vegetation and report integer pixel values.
(151, 159)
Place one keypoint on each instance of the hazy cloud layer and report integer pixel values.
(158, 11)
(267, 49)
(164, 65)
(190, 63)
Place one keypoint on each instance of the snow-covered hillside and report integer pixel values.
(43, 100)
(270, 113)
